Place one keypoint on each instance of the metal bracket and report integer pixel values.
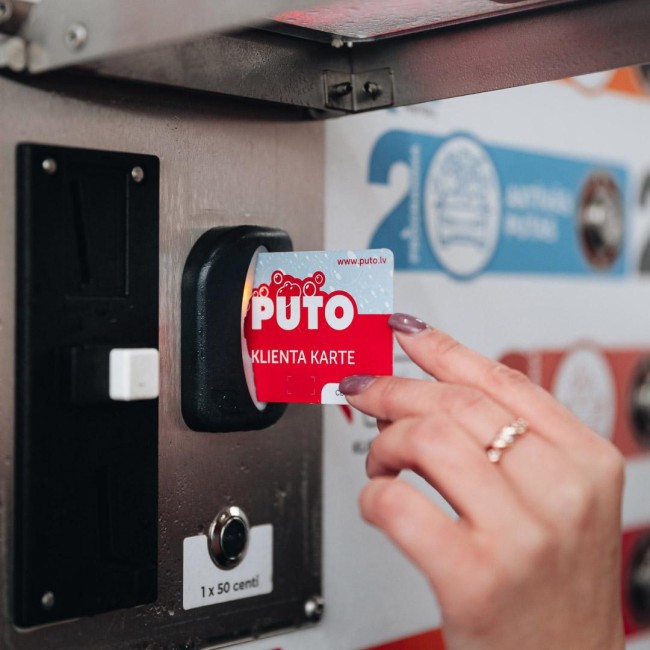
(359, 91)
(13, 53)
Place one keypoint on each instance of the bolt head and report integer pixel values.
(372, 89)
(76, 36)
(137, 174)
(49, 166)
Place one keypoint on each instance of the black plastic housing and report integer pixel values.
(86, 468)
(214, 393)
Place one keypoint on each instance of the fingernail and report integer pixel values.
(356, 384)
(407, 324)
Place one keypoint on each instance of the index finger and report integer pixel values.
(448, 360)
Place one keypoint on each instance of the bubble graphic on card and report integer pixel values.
(316, 317)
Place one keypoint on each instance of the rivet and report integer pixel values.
(49, 166)
(48, 600)
(137, 174)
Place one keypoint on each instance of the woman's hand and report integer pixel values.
(533, 559)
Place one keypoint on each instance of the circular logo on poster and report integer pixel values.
(462, 205)
(584, 383)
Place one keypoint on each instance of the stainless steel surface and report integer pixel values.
(221, 164)
(533, 46)
(122, 25)
(260, 65)
(369, 19)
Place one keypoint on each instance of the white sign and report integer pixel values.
(205, 584)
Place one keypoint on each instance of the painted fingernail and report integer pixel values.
(407, 324)
(356, 384)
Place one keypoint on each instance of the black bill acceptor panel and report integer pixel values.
(86, 463)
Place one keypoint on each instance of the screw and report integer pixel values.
(47, 600)
(341, 90)
(6, 11)
(314, 608)
(372, 89)
(137, 174)
(49, 166)
(76, 36)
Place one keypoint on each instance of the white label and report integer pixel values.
(205, 584)
(332, 395)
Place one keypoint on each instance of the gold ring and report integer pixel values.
(505, 439)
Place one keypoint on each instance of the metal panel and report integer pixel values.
(260, 65)
(522, 49)
(531, 47)
(68, 32)
(362, 20)
(221, 164)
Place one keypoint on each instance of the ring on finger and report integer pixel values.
(505, 439)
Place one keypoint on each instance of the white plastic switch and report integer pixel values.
(133, 374)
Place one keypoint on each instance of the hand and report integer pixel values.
(533, 559)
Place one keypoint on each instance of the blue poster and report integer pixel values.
(473, 208)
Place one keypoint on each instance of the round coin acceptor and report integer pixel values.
(228, 537)
(217, 385)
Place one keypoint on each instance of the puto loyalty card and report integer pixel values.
(314, 318)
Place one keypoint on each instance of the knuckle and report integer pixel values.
(610, 467)
(381, 501)
(391, 392)
(444, 348)
(459, 399)
(420, 442)
(418, 435)
(577, 502)
(506, 377)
